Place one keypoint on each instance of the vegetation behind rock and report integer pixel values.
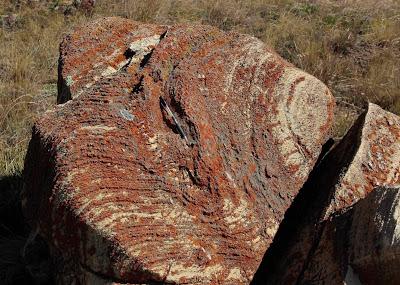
(352, 46)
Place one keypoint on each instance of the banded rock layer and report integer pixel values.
(174, 154)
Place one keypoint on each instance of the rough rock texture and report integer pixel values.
(178, 155)
(376, 162)
(361, 246)
(101, 49)
(367, 157)
(375, 237)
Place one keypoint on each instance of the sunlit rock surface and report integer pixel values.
(174, 153)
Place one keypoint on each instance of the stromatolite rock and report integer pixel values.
(178, 155)
(367, 157)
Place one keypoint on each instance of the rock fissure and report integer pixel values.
(172, 121)
(306, 212)
(146, 59)
(318, 232)
(138, 87)
(129, 54)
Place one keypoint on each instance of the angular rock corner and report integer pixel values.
(176, 151)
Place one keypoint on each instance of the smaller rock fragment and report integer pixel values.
(367, 157)
(361, 246)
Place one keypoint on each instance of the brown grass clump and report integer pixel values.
(353, 46)
(28, 65)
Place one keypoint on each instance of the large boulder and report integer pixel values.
(175, 153)
(367, 157)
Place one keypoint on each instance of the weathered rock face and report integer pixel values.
(375, 237)
(376, 162)
(101, 49)
(367, 157)
(178, 155)
(361, 246)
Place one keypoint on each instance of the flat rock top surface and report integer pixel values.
(178, 155)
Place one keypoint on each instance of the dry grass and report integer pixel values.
(353, 46)
(28, 66)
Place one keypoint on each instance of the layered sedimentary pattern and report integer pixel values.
(175, 153)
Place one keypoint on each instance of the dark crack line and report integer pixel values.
(147, 57)
(129, 54)
(311, 252)
(138, 87)
(170, 114)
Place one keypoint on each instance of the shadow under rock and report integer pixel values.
(24, 256)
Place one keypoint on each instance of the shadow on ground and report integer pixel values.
(24, 256)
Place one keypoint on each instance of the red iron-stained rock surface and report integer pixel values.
(375, 163)
(366, 158)
(178, 155)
